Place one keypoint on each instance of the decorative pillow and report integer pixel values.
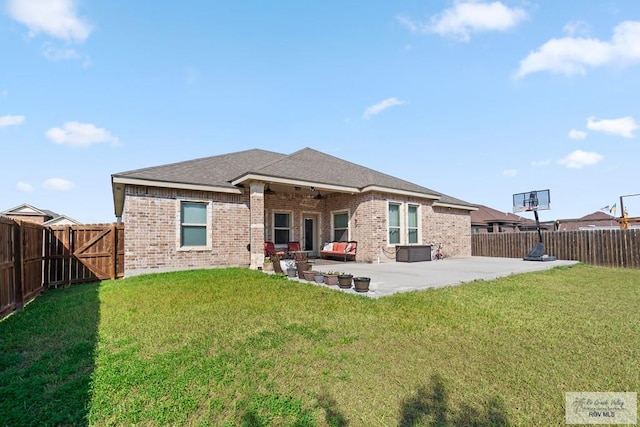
(348, 248)
(328, 247)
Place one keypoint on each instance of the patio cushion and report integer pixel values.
(340, 249)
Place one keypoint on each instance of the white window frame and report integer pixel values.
(418, 225)
(333, 225)
(209, 215)
(399, 226)
(403, 227)
(274, 228)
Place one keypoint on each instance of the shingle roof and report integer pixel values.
(314, 166)
(485, 215)
(304, 165)
(215, 171)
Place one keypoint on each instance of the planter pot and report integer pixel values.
(292, 272)
(361, 284)
(308, 275)
(302, 267)
(267, 266)
(331, 279)
(318, 277)
(277, 266)
(344, 281)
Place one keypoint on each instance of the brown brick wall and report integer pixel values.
(152, 219)
(368, 225)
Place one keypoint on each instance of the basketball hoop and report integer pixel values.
(538, 200)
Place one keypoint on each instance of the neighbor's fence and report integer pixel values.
(21, 260)
(609, 248)
(34, 257)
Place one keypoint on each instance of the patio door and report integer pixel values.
(310, 233)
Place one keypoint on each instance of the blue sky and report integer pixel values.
(475, 99)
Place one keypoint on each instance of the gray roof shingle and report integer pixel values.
(214, 171)
(304, 165)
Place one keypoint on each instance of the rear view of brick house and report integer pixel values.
(218, 211)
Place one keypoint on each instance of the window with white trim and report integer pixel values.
(412, 224)
(340, 226)
(193, 224)
(281, 228)
(394, 223)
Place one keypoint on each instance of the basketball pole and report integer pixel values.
(535, 212)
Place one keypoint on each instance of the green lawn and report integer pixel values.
(240, 348)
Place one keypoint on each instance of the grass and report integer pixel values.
(237, 347)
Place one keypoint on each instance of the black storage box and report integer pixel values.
(413, 253)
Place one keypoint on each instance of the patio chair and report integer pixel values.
(293, 247)
(294, 250)
(270, 250)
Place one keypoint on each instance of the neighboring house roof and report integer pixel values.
(592, 220)
(596, 216)
(28, 210)
(486, 215)
(306, 167)
(62, 220)
(51, 218)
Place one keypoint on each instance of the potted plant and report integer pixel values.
(267, 265)
(331, 278)
(318, 276)
(344, 280)
(302, 266)
(277, 267)
(361, 284)
(308, 274)
(290, 267)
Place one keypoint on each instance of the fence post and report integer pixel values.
(68, 254)
(18, 264)
(113, 271)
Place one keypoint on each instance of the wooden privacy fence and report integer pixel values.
(608, 248)
(34, 257)
(20, 264)
(83, 253)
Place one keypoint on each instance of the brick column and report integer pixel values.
(256, 205)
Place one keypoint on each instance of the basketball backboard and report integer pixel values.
(536, 200)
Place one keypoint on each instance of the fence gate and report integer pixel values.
(84, 253)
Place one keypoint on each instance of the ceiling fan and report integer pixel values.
(268, 190)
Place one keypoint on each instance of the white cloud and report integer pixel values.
(80, 135)
(579, 159)
(468, 17)
(411, 25)
(510, 172)
(58, 184)
(56, 18)
(576, 27)
(55, 53)
(24, 187)
(11, 120)
(59, 54)
(574, 55)
(381, 106)
(539, 163)
(623, 126)
(577, 134)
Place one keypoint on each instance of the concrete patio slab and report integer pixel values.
(394, 277)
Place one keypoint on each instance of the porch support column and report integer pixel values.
(256, 207)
